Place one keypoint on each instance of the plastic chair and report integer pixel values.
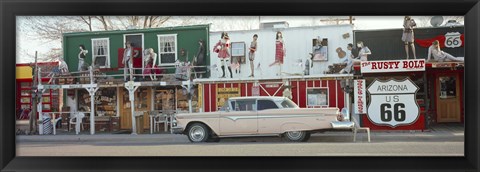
(357, 127)
(159, 119)
(78, 121)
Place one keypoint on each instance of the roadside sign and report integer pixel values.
(393, 102)
(360, 106)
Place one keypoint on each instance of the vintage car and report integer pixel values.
(255, 116)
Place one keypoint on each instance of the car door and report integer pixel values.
(269, 118)
(240, 119)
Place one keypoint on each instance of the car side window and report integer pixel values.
(233, 105)
(266, 104)
(244, 105)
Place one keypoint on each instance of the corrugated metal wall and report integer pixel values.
(387, 44)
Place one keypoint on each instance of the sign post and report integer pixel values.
(393, 102)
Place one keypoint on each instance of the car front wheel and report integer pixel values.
(198, 133)
(297, 136)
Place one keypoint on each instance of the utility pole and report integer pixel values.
(32, 118)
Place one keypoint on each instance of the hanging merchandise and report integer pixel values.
(182, 72)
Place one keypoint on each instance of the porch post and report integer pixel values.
(92, 88)
(132, 87)
(91, 91)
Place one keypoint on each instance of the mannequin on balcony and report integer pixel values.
(223, 50)
(81, 58)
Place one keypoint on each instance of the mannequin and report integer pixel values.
(199, 61)
(287, 93)
(408, 36)
(150, 60)
(81, 58)
(439, 55)
(251, 54)
(127, 60)
(223, 50)
(279, 52)
(362, 56)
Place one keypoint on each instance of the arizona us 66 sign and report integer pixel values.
(393, 102)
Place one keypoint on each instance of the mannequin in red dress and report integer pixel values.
(223, 50)
(279, 52)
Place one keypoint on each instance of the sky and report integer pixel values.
(27, 43)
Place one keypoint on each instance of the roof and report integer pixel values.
(136, 30)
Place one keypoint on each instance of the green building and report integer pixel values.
(105, 46)
(105, 49)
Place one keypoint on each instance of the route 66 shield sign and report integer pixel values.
(452, 40)
(393, 102)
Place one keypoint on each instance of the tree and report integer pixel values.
(424, 21)
(52, 28)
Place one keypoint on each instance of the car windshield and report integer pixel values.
(287, 103)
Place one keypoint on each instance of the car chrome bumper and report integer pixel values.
(177, 130)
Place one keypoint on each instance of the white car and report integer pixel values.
(255, 116)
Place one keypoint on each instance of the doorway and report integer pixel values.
(448, 98)
(142, 103)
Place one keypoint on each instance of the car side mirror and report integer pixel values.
(227, 109)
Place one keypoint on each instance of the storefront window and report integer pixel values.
(106, 102)
(317, 97)
(164, 99)
(83, 101)
(141, 99)
(448, 87)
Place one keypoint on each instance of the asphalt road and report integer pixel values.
(322, 144)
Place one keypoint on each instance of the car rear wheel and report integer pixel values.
(198, 133)
(297, 136)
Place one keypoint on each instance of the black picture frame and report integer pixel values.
(11, 8)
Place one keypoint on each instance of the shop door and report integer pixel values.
(448, 98)
(142, 103)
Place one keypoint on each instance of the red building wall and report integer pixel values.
(298, 88)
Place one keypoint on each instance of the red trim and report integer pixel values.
(303, 94)
(332, 101)
(206, 97)
(213, 101)
(341, 95)
(309, 83)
